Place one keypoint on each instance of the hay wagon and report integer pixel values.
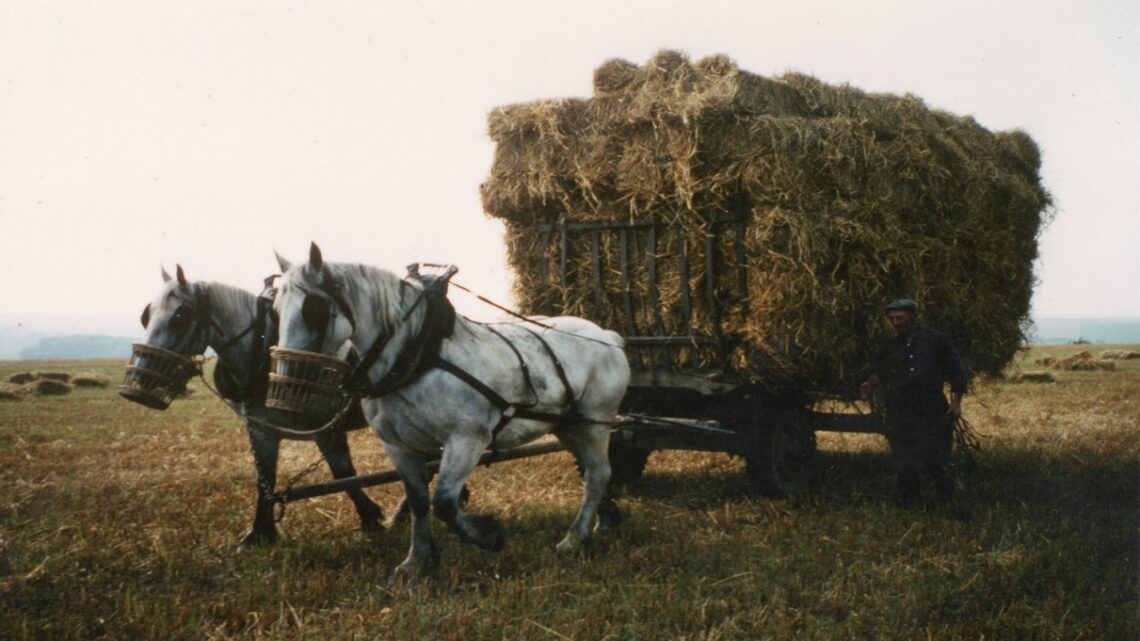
(743, 233)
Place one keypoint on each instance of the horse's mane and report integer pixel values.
(229, 297)
(363, 282)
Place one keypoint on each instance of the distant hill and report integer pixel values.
(1091, 330)
(78, 346)
(23, 333)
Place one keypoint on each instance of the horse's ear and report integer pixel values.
(281, 262)
(145, 318)
(315, 260)
(182, 282)
(165, 275)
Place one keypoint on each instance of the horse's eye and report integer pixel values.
(180, 318)
(315, 312)
(145, 318)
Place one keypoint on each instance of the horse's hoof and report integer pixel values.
(405, 575)
(609, 516)
(257, 538)
(572, 544)
(372, 526)
(486, 533)
(373, 515)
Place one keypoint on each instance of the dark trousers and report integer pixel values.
(921, 439)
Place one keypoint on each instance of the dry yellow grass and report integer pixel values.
(120, 522)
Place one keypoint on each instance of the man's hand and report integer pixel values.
(955, 406)
(867, 387)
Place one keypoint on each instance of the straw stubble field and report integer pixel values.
(120, 522)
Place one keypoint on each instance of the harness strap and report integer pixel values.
(522, 365)
(572, 402)
(415, 356)
(264, 336)
(508, 409)
(359, 373)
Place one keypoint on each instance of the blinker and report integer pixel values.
(315, 312)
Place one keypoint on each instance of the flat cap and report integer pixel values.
(901, 305)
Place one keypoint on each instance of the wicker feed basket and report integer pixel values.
(155, 376)
(305, 382)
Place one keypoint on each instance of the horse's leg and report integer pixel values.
(403, 511)
(423, 555)
(460, 456)
(265, 448)
(334, 447)
(589, 443)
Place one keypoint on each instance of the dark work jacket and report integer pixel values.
(916, 369)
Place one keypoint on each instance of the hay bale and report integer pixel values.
(1079, 362)
(47, 387)
(850, 199)
(1033, 377)
(91, 379)
(24, 378)
(1119, 355)
(11, 392)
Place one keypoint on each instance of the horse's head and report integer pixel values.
(313, 313)
(177, 323)
(315, 322)
(178, 319)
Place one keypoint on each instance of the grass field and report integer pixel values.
(120, 522)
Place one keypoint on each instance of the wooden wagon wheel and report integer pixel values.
(781, 460)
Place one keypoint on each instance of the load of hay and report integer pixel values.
(849, 199)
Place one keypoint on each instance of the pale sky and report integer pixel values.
(208, 134)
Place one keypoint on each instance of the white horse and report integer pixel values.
(436, 385)
(187, 317)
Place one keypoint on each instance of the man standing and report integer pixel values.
(914, 367)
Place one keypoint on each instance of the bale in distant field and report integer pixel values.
(1079, 362)
(27, 377)
(11, 392)
(1033, 377)
(848, 200)
(47, 387)
(91, 379)
(1119, 355)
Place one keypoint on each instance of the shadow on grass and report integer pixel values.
(845, 481)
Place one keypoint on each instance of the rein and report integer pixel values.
(530, 320)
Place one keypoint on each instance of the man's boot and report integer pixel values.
(910, 488)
